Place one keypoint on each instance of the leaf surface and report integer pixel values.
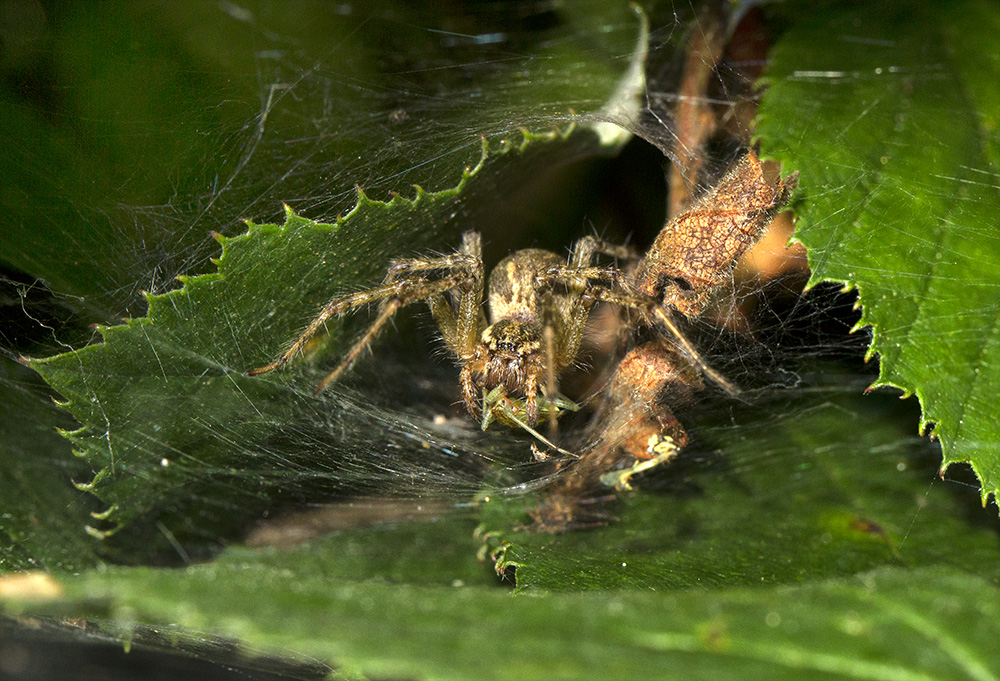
(890, 624)
(180, 437)
(890, 114)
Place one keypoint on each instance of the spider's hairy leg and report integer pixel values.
(471, 321)
(654, 310)
(577, 279)
(404, 284)
(577, 275)
(407, 291)
(335, 307)
(587, 247)
(470, 391)
(531, 396)
(461, 329)
(549, 344)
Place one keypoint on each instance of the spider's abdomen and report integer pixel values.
(513, 291)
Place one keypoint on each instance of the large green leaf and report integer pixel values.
(890, 624)
(810, 483)
(890, 112)
(179, 437)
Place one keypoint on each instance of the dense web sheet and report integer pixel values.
(333, 124)
(802, 518)
(338, 111)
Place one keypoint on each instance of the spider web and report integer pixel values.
(136, 136)
(300, 106)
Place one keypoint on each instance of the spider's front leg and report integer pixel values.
(410, 290)
(336, 307)
(406, 283)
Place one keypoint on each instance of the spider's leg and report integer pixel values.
(531, 396)
(578, 285)
(389, 309)
(653, 310)
(335, 307)
(549, 341)
(587, 247)
(407, 291)
(470, 392)
(664, 317)
(460, 328)
(470, 322)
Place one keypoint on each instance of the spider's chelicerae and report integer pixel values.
(539, 303)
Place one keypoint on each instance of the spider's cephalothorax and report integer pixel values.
(513, 353)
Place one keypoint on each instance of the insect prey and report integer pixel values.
(691, 258)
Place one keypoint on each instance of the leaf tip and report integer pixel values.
(90, 486)
(943, 469)
(986, 494)
(67, 433)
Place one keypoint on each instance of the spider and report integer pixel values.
(539, 304)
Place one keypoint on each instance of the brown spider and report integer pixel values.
(539, 304)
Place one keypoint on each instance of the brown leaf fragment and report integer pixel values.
(694, 116)
(697, 250)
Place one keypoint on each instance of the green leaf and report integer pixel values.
(890, 114)
(891, 624)
(781, 499)
(171, 424)
(41, 515)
